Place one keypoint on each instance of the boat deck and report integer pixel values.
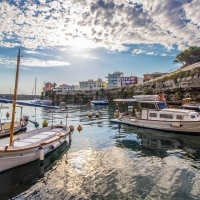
(38, 139)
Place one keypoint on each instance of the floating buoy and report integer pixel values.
(71, 128)
(44, 124)
(79, 128)
(7, 114)
(89, 114)
(97, 114)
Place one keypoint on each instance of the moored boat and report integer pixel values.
(189, 105)
(99, 102)
(19, 125)
(150, 112)
(27, 147)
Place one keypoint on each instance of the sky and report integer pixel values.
(67, 41)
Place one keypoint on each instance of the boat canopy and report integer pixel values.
(28, 104)
(146, 97)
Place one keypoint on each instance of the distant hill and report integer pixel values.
(19, 96)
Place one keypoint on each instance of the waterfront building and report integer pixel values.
(48, 87)
(139, 79)
(66, 88)
(114, 80)
(147, 77)
(92, 84)
(128, 80)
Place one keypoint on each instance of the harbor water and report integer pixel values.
(106, 161)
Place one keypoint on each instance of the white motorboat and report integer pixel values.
(46, 102)
(148, 111)
(27, 147)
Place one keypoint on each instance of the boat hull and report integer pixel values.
(180, 127)
(14, 157)
(100, 103)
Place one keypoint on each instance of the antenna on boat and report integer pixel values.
(14, 99)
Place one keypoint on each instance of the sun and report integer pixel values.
(82, 43)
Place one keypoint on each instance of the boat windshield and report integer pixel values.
(161, 105)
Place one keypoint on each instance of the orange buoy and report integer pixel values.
(79, 128)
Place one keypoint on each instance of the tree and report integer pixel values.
(54, 85)
(188, 56)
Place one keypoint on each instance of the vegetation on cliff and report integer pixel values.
(188, 56)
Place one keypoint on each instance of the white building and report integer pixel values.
(66, 88)
(92, 84)
(114, 80)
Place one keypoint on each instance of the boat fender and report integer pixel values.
(54, 146)
(41, 153)
(176, 124)
(51, 147)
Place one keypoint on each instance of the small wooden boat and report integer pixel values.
(19, 125)
(27, 147)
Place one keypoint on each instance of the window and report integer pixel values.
(161, 105)
(166, 116)
(193, 116)
(180, 117)
(153, 115)
(148, 105)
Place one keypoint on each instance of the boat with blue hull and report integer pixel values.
(99, 102)
(102, 101)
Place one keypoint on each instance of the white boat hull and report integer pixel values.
(14, 156)
(172, 126)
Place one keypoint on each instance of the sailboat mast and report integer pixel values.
(35, 86)
(14, 100)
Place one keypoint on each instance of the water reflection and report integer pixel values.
(15, 181)
(107, 161)
(157, 143)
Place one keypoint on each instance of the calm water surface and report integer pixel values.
(107, 161)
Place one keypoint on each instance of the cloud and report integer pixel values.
(138, 51)
(151, 53)
(99, 23)
(85, 56)
(32, 62)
